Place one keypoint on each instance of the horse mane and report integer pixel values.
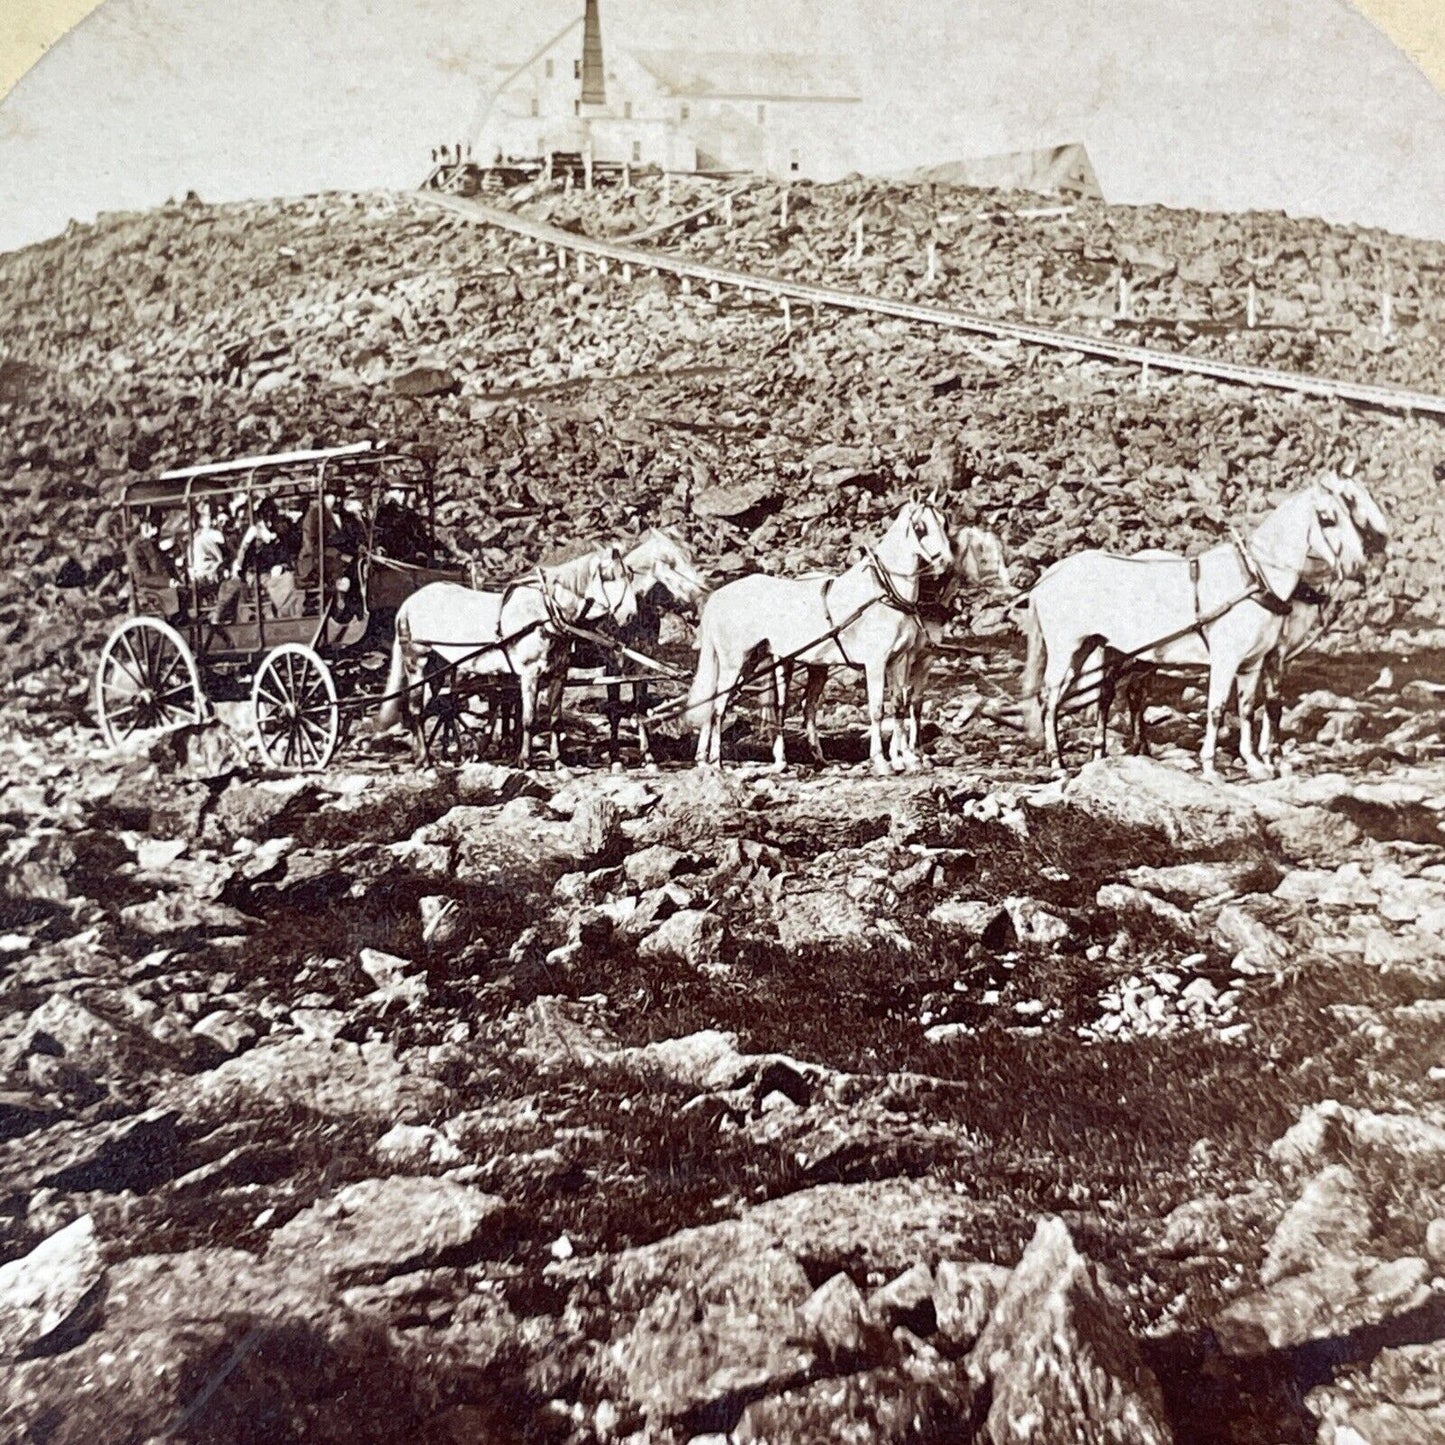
(574, 574)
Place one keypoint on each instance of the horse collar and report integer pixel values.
(891, 594)
(1263, 593)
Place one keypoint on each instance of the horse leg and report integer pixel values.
(614, 726)
(556, 686)
(778, 686)
(812, 696)
(1221, 680)
(901, 757)
(1136, 700)
(1107, 682)
(1247, 693)
(876, 677)
(1273, 712)
(641, 700)
(1058, 678)
(528, 682)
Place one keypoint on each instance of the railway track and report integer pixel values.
(1389, 398)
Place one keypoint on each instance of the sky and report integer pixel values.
(1301, 105)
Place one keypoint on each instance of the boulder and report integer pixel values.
(177, 1324)
(1059, 1360)
(1255, 946)
(416, 1149)
(880, 1407)
(694, 937)
(1331, 1217)
(49, 1289)
(906, 1300)
(135, 1153)
(377, 1228)
(836, 1322)
(716, 1337)
(1334, 1299)
(1398, 1400)
(1194, 814)
(964, 1296)
(329, 1077)
(654, 866)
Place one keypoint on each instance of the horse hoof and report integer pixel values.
(882, 768)
(615, 768)
(1259, 771)
(651, 768)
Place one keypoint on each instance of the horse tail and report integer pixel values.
(393, 706)
(704, 683)
(1031, 685)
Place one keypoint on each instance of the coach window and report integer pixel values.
(536, 106)
(683, 111)
(626, 110)
(636, 152)
(576, 70)
(762, 114)
(550, 68)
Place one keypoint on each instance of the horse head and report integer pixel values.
(609, 586)
(979, 559)
(1333, 537)
(921, 531)
(1369, 520)
(660, 559)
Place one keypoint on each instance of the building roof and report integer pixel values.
(749, 75)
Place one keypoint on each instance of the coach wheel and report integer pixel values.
(147, 682)
(451, 728)
(293, 701)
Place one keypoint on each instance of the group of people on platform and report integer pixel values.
(243, 557)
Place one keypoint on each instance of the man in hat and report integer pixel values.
(154, 583)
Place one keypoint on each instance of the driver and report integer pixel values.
(153, 582)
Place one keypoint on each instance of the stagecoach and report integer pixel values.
(290, 635)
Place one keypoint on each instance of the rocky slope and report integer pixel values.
(559, 408)
(481, 1105)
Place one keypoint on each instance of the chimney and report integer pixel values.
(594, 90)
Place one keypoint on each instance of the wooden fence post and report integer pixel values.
(784, 220)
(626, 176)
(714, 291)
(587, 168)
(1029, 297)
(858, 239)
(1251, 307)
(1387, 320)
(666, 188)
(728, 210)
(932, 262)
(1123, 297)
(787, 313)
(627, 271)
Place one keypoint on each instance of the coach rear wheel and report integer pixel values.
(293, 701)
(147, 682)
(458, 722)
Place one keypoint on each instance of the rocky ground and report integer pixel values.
(485, 1105)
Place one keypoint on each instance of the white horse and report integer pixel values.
(1224, 609)
(978, 561)
(514, 632)
(862, 618)
(1308, 617)
(658, 561)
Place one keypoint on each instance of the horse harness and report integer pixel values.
(891, 597)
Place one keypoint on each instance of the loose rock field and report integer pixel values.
(474, 1104)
